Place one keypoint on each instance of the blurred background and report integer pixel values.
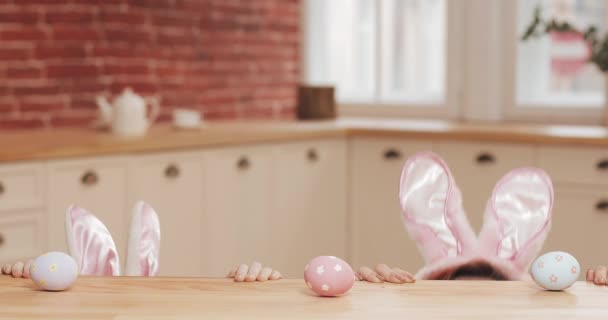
(276, 130)
(230, 59)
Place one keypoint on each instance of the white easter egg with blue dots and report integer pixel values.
(555, 270)
(54, 271)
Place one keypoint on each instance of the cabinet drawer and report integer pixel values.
(21, 186)
(386, 152)
(20, 237)
(237, 204)
(579, 224)
(377, 233)
(310, 194)
(575, 165)
(172, 184)
(96, 184)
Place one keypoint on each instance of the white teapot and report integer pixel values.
(126, 116)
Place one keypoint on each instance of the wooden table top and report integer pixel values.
(189, 298)
(23, 145)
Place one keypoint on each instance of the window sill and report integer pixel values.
(571, 115)
(384, 110)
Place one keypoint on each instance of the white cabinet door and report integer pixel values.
(98, 185)
(575, 165)
(21, 236)
(580, 221)
(477, 167)
(237, 204)
(22, 186)
(378, 235)
(309, 217)
(172, 184)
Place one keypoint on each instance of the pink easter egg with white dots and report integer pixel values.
(329, 276)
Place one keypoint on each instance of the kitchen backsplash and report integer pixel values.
(227, 58)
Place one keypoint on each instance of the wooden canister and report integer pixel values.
(316, 102)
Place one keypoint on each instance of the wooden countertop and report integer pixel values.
(183, 298)
(66, 143)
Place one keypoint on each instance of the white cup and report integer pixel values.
(186, 118)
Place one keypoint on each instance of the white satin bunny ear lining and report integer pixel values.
(518, 215)
(143, 252)
(516, 222)
(91, 245)
(432, 209)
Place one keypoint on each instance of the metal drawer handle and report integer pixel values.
(2, 189)
(392, 154)
(602, 165)
(243, 163)
(1, 239)
(89, 178)
(602, 205)
(312, 155)
(172, 171)
(485, 158)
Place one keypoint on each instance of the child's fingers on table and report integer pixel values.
(264, 274)
(358, 276)
(6, 269)
(590, 274)
(275, 275)
(408, 276)
(241, 272)
(232, 272)
(17, 270)
(255, 269)
(387, 273)
(370, 275)
(600, 275)
(26, 268)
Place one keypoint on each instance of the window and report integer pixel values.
(390, 51)
(551, 71)
(455, 59)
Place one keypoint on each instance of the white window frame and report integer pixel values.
(481, 72)
(448, 109)
(563, 114)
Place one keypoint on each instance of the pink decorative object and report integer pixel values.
(569, 52)
(329, 276)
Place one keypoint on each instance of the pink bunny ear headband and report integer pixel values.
(517, 219)
(91, 244)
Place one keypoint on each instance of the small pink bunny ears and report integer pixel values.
(516, 221)
(91, 244)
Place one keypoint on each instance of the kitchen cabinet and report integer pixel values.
(579, 224)
(237, 203)
(477, 167)
(377, 232)
(21, 236)
(22, 186)
(172, 183)
(284, 203)
(309, 217)
(96, 184)
(575, 165)
(22, 213)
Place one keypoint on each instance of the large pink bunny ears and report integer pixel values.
(516, 221)
(91, 244)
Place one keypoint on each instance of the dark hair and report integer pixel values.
(475, 269)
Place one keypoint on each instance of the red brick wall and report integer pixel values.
(228, 58)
